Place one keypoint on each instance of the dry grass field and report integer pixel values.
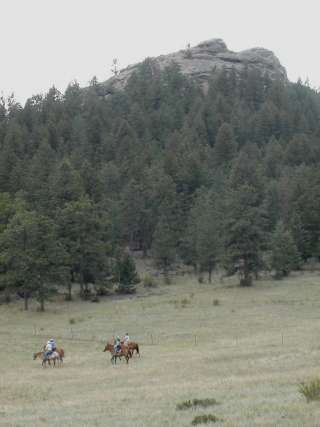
(247, 348)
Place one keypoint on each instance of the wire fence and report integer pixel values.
(270, 339)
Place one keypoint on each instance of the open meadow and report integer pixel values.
(248, 348)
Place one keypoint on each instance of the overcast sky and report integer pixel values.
(45, 43)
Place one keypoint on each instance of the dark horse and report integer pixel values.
(124, 352)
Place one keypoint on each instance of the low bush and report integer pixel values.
(204, 419)
(148, 281)
(185, 302)
(310, 390)
(196, 403)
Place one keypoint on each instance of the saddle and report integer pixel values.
(53, 355)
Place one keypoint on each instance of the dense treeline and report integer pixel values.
(225, 176)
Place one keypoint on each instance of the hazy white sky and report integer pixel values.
(54, 42)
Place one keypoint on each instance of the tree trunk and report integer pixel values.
(42, 304)
(246, 279)
(41, 296)
(26, 300)
(7, 295)
(210, 274)
(81, 290)
(69, 296)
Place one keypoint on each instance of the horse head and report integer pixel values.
(107, 347)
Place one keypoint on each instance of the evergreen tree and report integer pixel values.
(84, 233)
(32, 255)
(225, 146)
(126, 275)
(244, 232)
(164, 244)
(204, 232)
(284, 253)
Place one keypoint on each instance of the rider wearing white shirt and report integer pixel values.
(50, 347)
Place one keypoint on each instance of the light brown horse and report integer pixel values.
(124, 352)
(60, 351)
(54, 357)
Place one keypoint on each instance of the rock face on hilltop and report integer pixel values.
(200, 61)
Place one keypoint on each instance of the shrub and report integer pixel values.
(72, 321)
(187, 54)
(95, 298)
(148, 281)
(187, 404)
(204, 419)
(216, 302)
(203, 403)
(104, 289)
(185, 302)
(311, 389)
(167, 280)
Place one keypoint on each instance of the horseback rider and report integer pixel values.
(50, 347)
(126, 339)
(117, 344)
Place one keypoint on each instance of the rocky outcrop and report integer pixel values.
(200, 61)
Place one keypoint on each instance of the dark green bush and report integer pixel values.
(204, 419)
(202, 403)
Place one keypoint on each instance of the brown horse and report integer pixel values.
(54, 357)
(133, 346)
(124, 352)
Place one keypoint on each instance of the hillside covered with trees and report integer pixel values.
(225, 177)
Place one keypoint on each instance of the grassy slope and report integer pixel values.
(240, 358)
